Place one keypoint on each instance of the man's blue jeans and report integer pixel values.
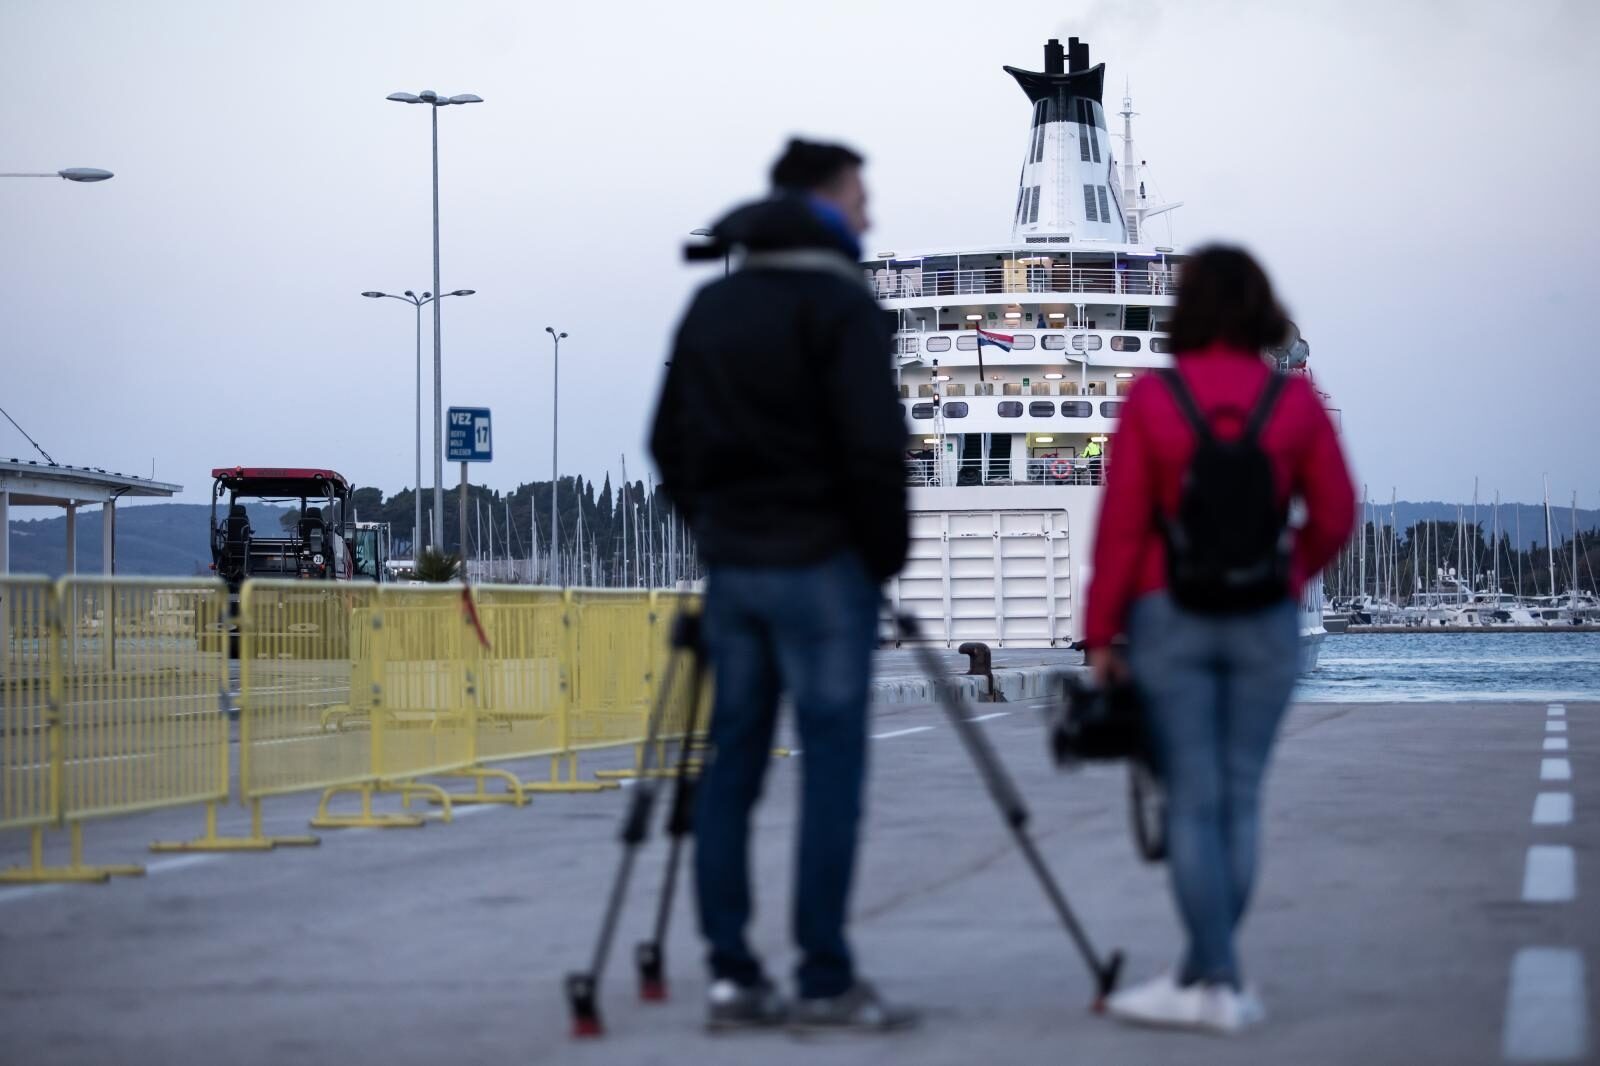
(808, 631)
(1214, 690)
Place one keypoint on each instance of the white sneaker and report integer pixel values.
(1253, 1011)
(1227, 1012)
(1159, 1001)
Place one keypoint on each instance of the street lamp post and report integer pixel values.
(70, 174)
(417, 301)
(435, 102)
(555, 420)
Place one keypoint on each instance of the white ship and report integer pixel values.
(1012, 361)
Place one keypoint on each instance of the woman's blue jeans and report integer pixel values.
(809, 631)
(1214, 689)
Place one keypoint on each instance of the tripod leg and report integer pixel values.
(583, 989)
(1014, 813)
(651, 954)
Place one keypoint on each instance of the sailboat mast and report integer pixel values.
(1549, 541)
(1362, 581)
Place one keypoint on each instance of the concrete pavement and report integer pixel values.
(1389, 920)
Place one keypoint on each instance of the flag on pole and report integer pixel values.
(1002, 341)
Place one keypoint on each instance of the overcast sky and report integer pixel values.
(1420, 178)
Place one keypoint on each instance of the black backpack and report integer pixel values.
(1228, 545)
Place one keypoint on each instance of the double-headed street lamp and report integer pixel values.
(417, 301)
(435, 102)
(70, 174)
(555, 418)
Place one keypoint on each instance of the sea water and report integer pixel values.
(1437, 667)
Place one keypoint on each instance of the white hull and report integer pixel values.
(1009, 566)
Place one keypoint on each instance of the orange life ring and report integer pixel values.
(1060, 469)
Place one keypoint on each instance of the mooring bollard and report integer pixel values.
(980, 664)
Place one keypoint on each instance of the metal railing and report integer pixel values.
(1063, 470)
(990, 281)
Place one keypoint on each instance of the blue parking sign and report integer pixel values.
(467, 435)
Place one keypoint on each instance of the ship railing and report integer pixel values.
(1040, 470)
(993, 281)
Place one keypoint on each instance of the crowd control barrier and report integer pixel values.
(114, 702)
(114, 699)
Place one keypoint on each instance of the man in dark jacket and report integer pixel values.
(780, 437)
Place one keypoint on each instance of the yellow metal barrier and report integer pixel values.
(133, 708)
(29, 754)
(524, 691)
(310, 687)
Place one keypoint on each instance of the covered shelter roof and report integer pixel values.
(29, 483)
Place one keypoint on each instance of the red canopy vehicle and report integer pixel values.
(324, 543)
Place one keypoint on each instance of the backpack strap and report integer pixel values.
(1264, 406)
(1185, 401)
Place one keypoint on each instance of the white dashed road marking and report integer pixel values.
(161, 866)
(1557, 711)
(1555, 727)
(1550, 876)
(986, 717)
(1546, 1019)
(902, 732)
(1555, 743)
(1555, 770)
(1552, 808)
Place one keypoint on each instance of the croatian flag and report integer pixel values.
(999, 340)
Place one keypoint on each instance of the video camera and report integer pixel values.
(1094, 724)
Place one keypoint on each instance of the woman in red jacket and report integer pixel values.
(1214, 683)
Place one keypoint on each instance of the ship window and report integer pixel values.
(967, 342)
(1094, 138)
(1038, 143)
(1033, 210)
(1105, 212)
(955, 409)
(924, 410)
(1111, 408)
(1084, 342)
(1089, 210)
(1054, 342)
(937, 344)
(1083, 132)
(1125, 344)
(1022, 342)
(1009, 409)
(1041, 408)
(1076, 408)
(1160, 345)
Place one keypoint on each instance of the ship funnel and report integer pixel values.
(1077, 56)
(1055, 57)
(1069, 189)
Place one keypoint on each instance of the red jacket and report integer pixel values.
(1151, 451)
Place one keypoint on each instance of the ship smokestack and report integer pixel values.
(1077, 55)
(1068, 190)
(1055, 61)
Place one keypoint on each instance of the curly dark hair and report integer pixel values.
(1225, 297)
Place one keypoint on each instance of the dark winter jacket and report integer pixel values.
(778, 432)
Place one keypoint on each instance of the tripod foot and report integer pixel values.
(1106, 980)
(652, 979)
(585, 1012)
